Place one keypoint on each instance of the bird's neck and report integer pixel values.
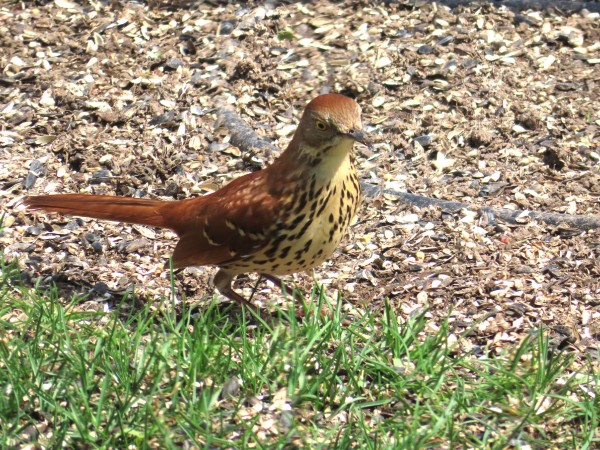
(325, 163)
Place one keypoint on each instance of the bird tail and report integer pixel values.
(120, 209)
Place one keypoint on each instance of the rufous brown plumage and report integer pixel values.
(286, 218)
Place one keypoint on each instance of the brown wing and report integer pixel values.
(229, 224)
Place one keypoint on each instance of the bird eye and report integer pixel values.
(321, 125)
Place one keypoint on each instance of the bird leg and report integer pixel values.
(222, 281)
(278, 282)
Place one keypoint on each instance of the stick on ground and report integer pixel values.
(246, 139)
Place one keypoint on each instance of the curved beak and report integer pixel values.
(360, 136)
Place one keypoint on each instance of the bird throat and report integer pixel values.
(326, 162)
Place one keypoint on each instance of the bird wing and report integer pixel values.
(229, 225)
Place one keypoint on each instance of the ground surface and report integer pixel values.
(481, 105)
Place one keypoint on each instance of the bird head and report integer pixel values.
(331, 122)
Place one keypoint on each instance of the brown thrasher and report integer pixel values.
(283, 219)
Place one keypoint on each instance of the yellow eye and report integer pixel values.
(321, 125)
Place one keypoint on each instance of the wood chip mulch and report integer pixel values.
(480, 104)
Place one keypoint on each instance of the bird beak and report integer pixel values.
(360, 136)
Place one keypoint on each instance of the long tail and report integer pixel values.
(120, 209)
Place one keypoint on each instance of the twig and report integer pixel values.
(246, 139)
(518, 5)
(577, 221)
(242, 135)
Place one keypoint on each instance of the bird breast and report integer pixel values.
(312, 227)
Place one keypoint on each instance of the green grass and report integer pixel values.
(154, 378)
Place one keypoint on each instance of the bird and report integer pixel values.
(285, 218)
